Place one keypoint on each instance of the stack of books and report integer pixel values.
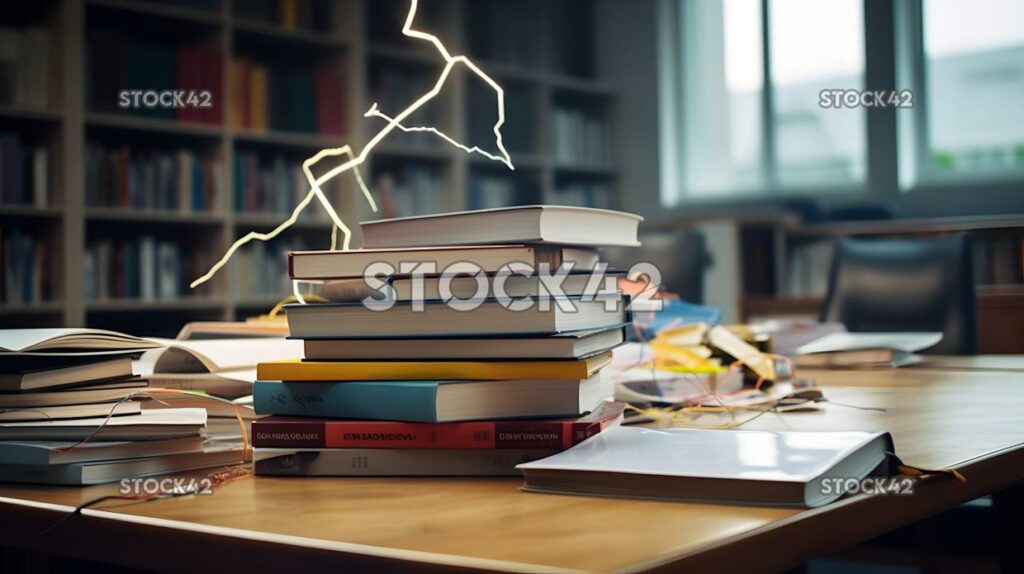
(57, 391)
(425, 375)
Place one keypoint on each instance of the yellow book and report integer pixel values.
(258, 95)
(289, 14)
(329, 371)
(239, 91)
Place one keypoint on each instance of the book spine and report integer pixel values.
(370, 401)
(291, 434)
(385, 462)
(555, 435)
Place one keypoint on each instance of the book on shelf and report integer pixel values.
(128, 177)
(322, 265)
(463, 287)
(104, 471)
(297, 432)
(119, 63)
(24, 172)
(25, 279)
(579, 137)
(526, 224)
(25, 67)
(570, 345)
(582, 194)
(267, 183)
(431, 401)
(393, 86)
(142, 268)
(289, 14)
(798, 469)
(409, 189)
(283, 98)
(394, 462)
(337, 371)
(261, 270)
(502, 32)
(494, 191)
(437, 319)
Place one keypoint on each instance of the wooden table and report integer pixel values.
(972, 420)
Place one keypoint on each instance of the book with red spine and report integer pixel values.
(297, 432)
(215, 78)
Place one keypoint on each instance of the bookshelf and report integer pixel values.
(519, 43)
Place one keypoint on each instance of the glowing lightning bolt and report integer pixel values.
(354, 161)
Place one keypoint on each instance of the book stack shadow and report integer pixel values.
(435, 373)
(73, 412)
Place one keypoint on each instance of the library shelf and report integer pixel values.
(163, 305)
(171, 127)
(14, 210)
(44, 308)
(269, 220)
(41, 115)
(275, 33)
(111, 215)
(301, 140)
(162, 10)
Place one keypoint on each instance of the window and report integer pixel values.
(816, 46)
(974, 86)
(722, 89)
(726, 145)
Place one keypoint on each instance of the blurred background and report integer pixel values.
(705, 117)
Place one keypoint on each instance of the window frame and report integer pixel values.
(897, 168)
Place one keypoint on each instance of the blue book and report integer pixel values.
(430, 401)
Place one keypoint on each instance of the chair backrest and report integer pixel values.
(680, 255)
(906, 285)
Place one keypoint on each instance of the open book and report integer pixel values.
(225, 367)
(69, 341)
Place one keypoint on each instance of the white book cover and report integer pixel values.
(837, 342)
(702, 453)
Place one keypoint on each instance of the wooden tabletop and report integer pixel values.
(969, 419)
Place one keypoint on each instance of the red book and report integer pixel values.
(295, 432)
(329, 102)
(188, 80)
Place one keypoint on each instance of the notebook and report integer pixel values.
(524, 224)
(728, 466)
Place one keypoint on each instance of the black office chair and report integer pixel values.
(906, 285)
(680, 254)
